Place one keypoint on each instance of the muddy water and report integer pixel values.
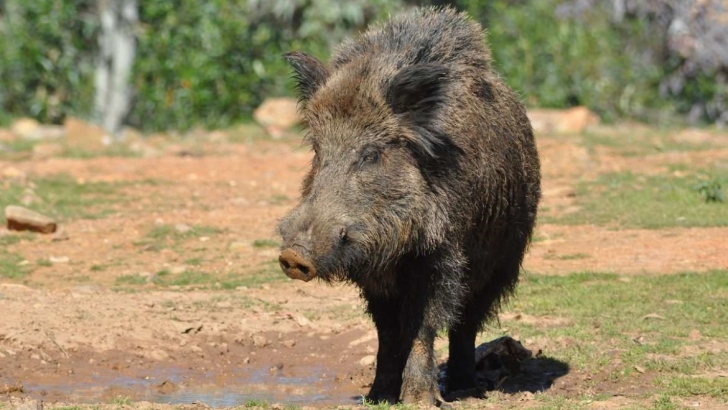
(314, 372)
(314, 385)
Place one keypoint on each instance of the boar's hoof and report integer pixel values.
(296, 266)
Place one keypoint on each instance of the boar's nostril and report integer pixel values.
(296, 266)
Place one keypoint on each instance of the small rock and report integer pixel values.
(289, 343)
(177, 270)
(25, 127)
(240, 201)
(182, 228)
(23, 219)
(158, 355)
(302, 320)
(238, 246)
(167, 387)
(368, 360)
(8, 386)
(526, 396)
(224, 304)
(259, 341)
(573, 120)
(59, 259)
(576, 120)
(60, 235)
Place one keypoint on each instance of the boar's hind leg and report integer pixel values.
(461, 360)
(481, 306)
(391, 355)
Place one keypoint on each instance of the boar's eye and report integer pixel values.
(370, 157)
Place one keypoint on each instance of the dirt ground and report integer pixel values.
(72, 332)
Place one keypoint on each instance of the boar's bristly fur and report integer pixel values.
(422, 191)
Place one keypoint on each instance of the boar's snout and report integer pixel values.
(305, 246)
(296, 266)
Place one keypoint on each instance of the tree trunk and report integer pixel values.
(117, 47)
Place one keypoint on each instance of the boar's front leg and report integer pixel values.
(434, 294)
(419, 380)
(392, 352)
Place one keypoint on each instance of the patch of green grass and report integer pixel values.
(637, 201)
(165, 235)
(121, 401)
(664, 403)
(697, 386)
(131, 280)
(644, 142)
(164, 232)
(98, 268)
(255, 403)
(369, 405)
(193, 262)
(64, 197)
(647, 322)
(186, 278)
(567, 257)
(20, 149)
(267, 273)
(10, 265)
(115, 150)
(43, 262)
(279, 199)
(266, 243)
(13, 238)
(712, 190)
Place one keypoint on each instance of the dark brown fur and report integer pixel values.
(423, 189)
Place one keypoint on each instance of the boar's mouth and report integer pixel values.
(296, 266)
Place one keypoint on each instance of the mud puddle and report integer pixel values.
(313, 372)
(307, 385)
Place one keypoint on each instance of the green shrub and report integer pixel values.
(46, 58)
(210, 63)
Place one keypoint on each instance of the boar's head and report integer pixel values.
(370, 196)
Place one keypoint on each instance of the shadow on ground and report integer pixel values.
(535, 374)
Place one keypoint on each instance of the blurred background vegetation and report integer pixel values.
(211, 63)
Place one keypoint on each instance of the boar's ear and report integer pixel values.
(417, 89)
(309, 73)
(415, 94)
